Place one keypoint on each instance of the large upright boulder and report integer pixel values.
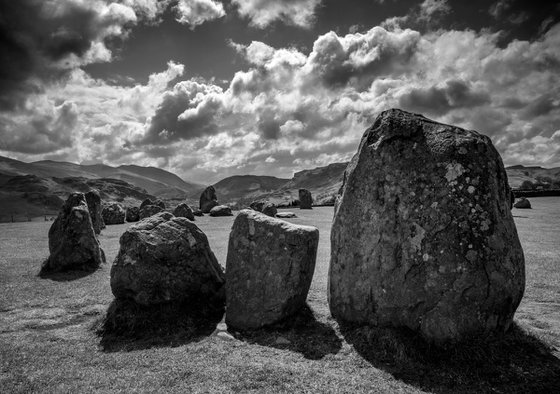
(431, 247)
(72, 241)
(305, 199)
(132, 214)
(147, 201)
(208, 199)
(93, 200)
(183, 210)
(113, 214)
(269, 269)
(166, 259)
(149, 210)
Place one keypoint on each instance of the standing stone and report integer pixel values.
(113, 214)
(269, 269)
(208, 199)
(305, 199)
(132, 214)
(93, 200)
(431, 247)
(522, 203)
(183, 210)
(265, 207)
(159, 203)
(149, 210)
(221, 210)
(197, 212)
(166, 259)
(147, 201)
(72, 241)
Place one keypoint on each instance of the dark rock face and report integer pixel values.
(208, 199)
(221, 210)
(431, 247)
(522, 203)
(197, 212)
(149, 210)
(183, 210)
(305, 199)
(93, 200)
(113, 214)
(72, 241)
(159, 203)
(147, 201)
(286, 215)
(166, 259)
(265, 207)
(132, 214)
(269, 269)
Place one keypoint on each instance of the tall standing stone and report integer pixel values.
(305, 199)
(269, 269)
(72, 241)
(93, 199)
(208, 199)
(423, 236)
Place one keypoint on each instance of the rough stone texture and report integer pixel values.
(93, 200)
(286, 215)
(183, 210)
(159, 203)
(221, 210)
(305, 199)
(197, 212)
(166, 259)
(147, 201)
(72, 241)
(149, 210)
(522, 203)
(113, 214)
(132, 214)
(432, 247)
(208, 199)
(269, 269)
(265, 207)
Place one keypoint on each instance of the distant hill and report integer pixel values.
(534, 174)
(246, 187)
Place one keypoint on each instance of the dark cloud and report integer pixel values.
(541, 106)
(440, 100)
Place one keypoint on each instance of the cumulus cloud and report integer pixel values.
(262, 13)
(196, 12)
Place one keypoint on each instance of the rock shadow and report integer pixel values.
(301, 333)
(65, 276)
(128, 326)
(516, 362)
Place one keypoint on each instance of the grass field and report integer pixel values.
(50, 337)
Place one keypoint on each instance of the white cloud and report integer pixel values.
(262, 13)
(196, 12)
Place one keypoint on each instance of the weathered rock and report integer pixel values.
(221, 210)
(132, 214)
(269, 269)
(93, 200)
(159, 203)
(197, 212)
(431, 247)
(265, 207)
(149, 210)
(72, 241)
(208, 199)
(286, 215)
(113, 214)
(522, 203)
(166, 259)
(305, 199)
(147, 201)
(183, 210)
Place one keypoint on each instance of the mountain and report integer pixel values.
(246, 187)
(534, 174)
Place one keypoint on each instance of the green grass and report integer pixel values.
(63, 333)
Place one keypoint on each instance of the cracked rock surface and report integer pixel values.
(270, 265)
(423, 236)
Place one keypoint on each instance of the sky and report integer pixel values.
(209, 89)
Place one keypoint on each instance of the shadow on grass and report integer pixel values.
(64, 276)
(516, 362)
(129, 326)
(313, 339)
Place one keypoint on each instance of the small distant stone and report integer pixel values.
(305, 199)
(198, 212)
(147, 201)
(266, 207)
(522, 203)
(113, 214)
(149, 210)
(282, 341)
(225, 336)
(221, 210)
(286, 215)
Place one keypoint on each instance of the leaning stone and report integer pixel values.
(72, 241)
(166, 259)
(221, 210)
(132, 214)
(208, 199)
(113, 214)
(183, 210)
(269, 269)
(93, 200)
(431, 247)
(305, 199)
(522, 203)
(149, 210)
